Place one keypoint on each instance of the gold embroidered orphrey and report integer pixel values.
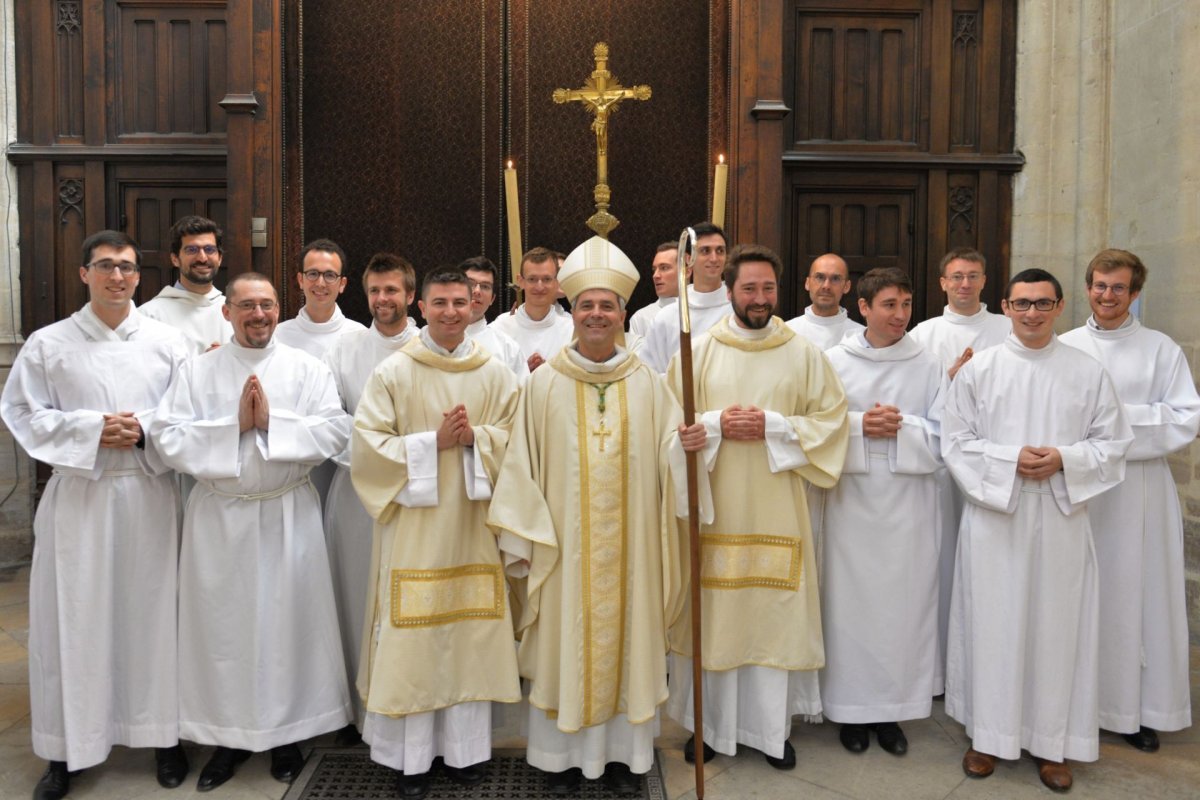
(424, 597)
(600, 95)
(604, 480)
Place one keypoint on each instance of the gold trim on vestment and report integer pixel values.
(780, 334)
(424, 597)
(604, 493)
(417, 351)
(750, 560)
(562, 364)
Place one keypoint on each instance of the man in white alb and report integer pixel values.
(193, 305)
(1144, 686)
(483, 276)
(260, 661)
(825, 322)
(537, 326)
(663, 271)
(707, 298)
(322, 278)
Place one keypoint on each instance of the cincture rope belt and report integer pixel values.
(270, 495)
(109, 473)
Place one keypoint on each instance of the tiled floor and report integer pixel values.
(930, 770)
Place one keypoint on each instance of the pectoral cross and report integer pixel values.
(602, 433)
(600, 95)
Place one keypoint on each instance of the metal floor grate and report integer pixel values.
(337, 773)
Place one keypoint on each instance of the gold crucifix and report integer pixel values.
(600, 95)
(602, 433)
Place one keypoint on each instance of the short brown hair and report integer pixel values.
(1110, 260)
(538, 255)
(745, 253)
(118, 240)
(325, 246)
(193, 225)
(390, 262)
(880, 278)
(246, 277)
(966, 254)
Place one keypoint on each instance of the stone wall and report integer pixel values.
(16, 504)
(1108, 120)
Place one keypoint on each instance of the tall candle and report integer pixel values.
(513, 209)
(720, 182)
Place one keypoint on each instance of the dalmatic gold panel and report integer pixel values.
(427, 597)
(750, 561)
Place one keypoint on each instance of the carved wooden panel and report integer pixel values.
(70, 211)
(964, 80)
(151, 200)
(68, 73)
(859, 77)
(169, 70)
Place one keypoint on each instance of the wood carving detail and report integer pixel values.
(67, 17)
(70, 198)
(962, 208)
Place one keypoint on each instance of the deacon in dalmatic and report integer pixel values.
(430, 432)
(1032, 432)
(260, 662)
(390, 284)
(1144, 686)
(584, 510)
(775, 416)
(881, 526)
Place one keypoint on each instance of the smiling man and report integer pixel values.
(775, 417)
(429, 435)
(1032, 432)
(825, 322)
(707, 298)
(879, 583)
(102, 628)
(1144, 685)
(537, 326)
(193, 305)
(260, 663)
(482, 274)
(390, 283)
(322, 278)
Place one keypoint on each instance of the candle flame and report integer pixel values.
(509, 163)
(721, 158)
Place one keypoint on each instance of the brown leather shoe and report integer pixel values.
(1055, 775)
(977, 764)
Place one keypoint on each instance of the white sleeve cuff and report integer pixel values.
(421, 455)
(479, 486)
(783, 445)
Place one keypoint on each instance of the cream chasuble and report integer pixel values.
(438, 630)
(584, 497)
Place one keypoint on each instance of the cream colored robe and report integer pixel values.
(760, 594)
(594, 514)
(439, 630)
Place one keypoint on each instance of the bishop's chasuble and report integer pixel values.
(439, 631)
(762, 616)
(584, 497)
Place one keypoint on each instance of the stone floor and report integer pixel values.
(930, 770)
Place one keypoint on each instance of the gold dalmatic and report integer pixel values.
(603, 438)
(600, 94)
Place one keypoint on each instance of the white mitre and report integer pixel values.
(597, 264)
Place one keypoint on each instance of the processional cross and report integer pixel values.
(600, 95)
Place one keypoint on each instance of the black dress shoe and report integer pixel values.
(787, 761)
(413, 787)
(347, 737)
(170, 766)
(1145, 739)
(286, 762)
(565, 782)
(55, 784)
(471, 775)
(855, 738)
(618, 778)
(891, 738)
(689, 751)
(220, 768)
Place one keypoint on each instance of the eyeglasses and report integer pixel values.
(540, 280)
(329, 276)
(969, 277)
(1117, 289)
(832, 280)
(106, 267)
(196, 249)
(481, 286)
(1024, 304)
(249, 305)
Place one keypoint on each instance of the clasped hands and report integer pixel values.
(121, 431)
(1038, 463)
(253, 409)
(882, 422)
(740, 424)
(455, 429)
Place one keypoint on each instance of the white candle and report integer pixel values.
(720, 182)
(513, 209)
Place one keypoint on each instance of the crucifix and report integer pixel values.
(600, 95)
(601, 433)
